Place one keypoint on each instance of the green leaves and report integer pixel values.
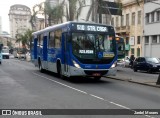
(25, 38)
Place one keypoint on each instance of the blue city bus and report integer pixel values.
(76, 49)
(1, 46)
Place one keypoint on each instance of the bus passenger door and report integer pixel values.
(44, 52)
(65, 52)
(35, 52)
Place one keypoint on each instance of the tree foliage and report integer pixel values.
(25, 38)
(54, 13)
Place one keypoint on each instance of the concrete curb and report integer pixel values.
(129, 80)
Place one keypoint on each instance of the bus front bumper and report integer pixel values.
(81, 72)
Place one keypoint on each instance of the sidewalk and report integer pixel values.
(127, 74)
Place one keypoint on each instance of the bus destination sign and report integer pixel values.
(95, 28)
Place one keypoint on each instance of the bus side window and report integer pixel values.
(51, 40)
(57, 38)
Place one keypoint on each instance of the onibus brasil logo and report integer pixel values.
(21, 112)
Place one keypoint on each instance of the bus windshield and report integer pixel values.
(92, 46)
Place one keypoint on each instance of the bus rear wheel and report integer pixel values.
(59, 71)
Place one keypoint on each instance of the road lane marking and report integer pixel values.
(90, 94)
(61, 83)
(96, 97)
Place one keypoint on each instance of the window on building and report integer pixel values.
(158, 16)
(117, 21)
(122, 20)
(138, 40)
(147, 17)
(138, 52)
(133, 18)
(139, 17)
(152, 17)
(154, 39)
(127, 19)
(132, 51)
(112, 22)
(146, 39)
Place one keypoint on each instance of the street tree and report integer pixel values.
(54, 13)
(25, 38)
(37, 9)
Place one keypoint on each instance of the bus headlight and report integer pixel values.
(114, 64)
(76, 65)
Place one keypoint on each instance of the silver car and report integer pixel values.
(123, 62)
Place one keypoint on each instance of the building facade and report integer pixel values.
(151, 37)
(19, 17)
(130, 26)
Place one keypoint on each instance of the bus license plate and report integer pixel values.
(96, 74)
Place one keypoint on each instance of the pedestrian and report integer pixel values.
(158, 81)
(132, 58)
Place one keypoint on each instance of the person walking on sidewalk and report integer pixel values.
(132, 58)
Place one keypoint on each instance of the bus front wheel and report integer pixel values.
(59, 71)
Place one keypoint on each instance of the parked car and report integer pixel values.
(123, 62)
(149, 64)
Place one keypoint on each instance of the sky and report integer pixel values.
(5, 7)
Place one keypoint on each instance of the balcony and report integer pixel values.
(122, 29)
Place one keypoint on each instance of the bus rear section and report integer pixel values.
(76, 49)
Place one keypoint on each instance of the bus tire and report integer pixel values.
(0, 62)
(97, 78)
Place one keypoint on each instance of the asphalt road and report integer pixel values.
(22, 86)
